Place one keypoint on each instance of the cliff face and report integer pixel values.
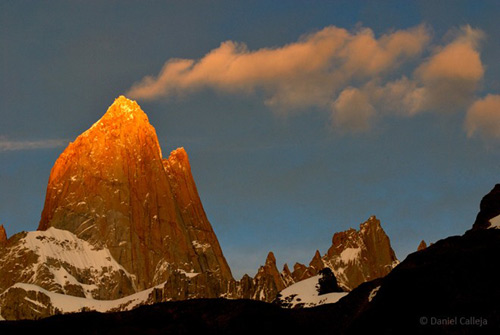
(112, 188)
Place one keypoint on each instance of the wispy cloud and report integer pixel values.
(355, 75)
(15, 145)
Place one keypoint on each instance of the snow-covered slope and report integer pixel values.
(305, 294)
(58, 261)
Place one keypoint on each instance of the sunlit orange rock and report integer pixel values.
(112, 188)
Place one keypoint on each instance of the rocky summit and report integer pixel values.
(112, 188)
(122, 226)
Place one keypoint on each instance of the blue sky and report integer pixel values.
(290, 140)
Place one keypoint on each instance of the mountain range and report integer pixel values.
(122, 227)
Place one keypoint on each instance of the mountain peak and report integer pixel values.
(112, 188)
(178, 156)
(270, 258)
(124, 114)
(124, 106)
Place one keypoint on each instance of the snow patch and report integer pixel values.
(39, 304)
(350, 254)
(373, 293)
(188, 274)
(203, 246)
(305, 294)
(495, 222)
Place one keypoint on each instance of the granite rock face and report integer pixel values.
(112, 188)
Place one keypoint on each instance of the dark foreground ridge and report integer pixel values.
(447, 288)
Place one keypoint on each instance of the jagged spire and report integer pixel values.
(316, 262)
(270, 259)
(422, 245)
(3, 235)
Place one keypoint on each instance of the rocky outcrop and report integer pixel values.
(268, 282)
(299, 272)
(18, 303)
(316, 264)
(3, 236)
(200, 231)
(112, 188)
(359, 256)
(286, 276)
(422, 245)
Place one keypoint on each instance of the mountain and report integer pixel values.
(112, 188)
(118, 219)
(124, 226)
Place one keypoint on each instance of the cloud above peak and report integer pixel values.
(355, 75)
(307, 72)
